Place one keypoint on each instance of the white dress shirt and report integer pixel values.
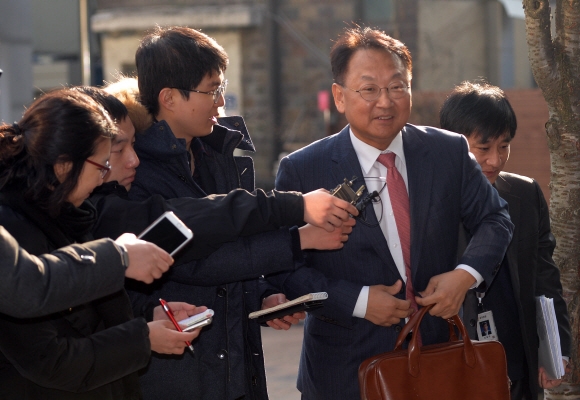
(375, 179)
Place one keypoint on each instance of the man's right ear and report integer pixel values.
(165, 98)
(337, 93)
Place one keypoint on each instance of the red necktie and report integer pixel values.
(400, 203)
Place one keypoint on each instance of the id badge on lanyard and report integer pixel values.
(486, 329)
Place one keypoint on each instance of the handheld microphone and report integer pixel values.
(345, 192)
(361, 204)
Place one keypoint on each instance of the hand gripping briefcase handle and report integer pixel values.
(453, 370)
(414, 349)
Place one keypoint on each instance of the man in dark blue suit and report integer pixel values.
(366, 280)
(484, 115)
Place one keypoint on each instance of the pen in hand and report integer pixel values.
(169, 313)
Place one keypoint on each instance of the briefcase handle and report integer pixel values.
(414, 350)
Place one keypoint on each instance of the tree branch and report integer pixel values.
(540, 45)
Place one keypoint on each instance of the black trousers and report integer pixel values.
(520, 390)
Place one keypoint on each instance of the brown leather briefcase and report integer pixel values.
(455, 370)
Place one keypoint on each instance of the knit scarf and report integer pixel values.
(72, 225)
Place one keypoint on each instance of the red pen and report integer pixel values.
(172, 318)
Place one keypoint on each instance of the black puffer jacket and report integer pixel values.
(228, 362)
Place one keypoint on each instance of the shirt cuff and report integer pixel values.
(473, 273)
(360, 308)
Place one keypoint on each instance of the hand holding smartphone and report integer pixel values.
(308, 302)
(169, 313)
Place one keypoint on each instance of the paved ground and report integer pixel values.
(282, 353)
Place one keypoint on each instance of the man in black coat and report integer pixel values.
(34, 286)
(483, 114)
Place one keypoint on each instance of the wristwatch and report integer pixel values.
(124, 255)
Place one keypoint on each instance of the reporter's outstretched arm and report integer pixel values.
(223, 218)
(35, 286)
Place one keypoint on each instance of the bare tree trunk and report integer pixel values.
(556, 67)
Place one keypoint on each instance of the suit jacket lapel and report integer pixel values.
(504, 189)
(346, 165)
(419, 175)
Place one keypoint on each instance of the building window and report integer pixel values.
(378, 10)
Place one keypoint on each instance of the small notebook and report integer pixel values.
(308, 302)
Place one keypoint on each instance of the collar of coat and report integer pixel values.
(158, 140)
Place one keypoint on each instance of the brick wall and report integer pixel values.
(529, 151)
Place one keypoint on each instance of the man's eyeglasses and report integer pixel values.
(215, 93)
(372, 92)
(103, 168)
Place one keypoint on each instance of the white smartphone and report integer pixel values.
(167, 232)
(197, 320)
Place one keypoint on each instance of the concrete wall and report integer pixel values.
(449, 43)
(56, 26)
(15, 58)
(466, 39)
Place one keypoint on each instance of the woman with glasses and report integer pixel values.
(50, 162)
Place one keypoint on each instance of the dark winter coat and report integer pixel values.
(35, 286)
(228, 361)
(87, 352)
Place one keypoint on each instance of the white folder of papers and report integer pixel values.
(549, 352)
